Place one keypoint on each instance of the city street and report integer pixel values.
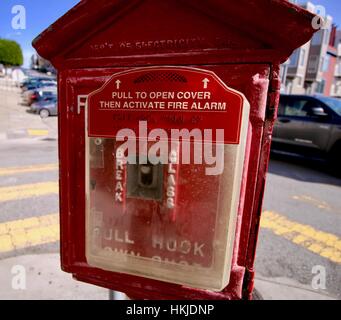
(301, 224)
(28, 179)
(300, 227)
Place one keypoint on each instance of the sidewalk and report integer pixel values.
(17, 123)
(287, 289)
(45, 280)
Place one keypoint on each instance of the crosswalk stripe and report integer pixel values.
(28, 190)
(325, 244)
(45, 229)
(20, 234)
(37, 132)
(27, 169)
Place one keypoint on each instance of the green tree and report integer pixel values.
(10, 53)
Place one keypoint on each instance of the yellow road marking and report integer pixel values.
(26, 169)
(315, 202)
(322, 243)
(37, 132)
(45, 229)
(29, 232)
(27, 191)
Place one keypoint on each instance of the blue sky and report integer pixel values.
(333, 8)
(41, 13)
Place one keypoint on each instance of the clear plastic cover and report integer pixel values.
(172, 222)
(158, 206)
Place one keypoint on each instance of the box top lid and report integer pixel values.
(103, 28)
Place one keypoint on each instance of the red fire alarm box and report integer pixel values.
(145, 210)
(166, 111)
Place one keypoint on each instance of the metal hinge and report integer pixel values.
(273, 95)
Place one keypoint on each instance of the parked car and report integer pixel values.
(39, 82)
(39, 85)
(27, 82)
(45, 108)
(35, 95)
(310, 126)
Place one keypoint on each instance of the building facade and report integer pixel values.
(311, 68)
(336, 87)
(328, 75)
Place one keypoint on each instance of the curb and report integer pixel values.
(45, 280)
(287, 289)
(24, 133)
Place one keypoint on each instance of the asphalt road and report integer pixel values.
(308, 198)
(301, 223)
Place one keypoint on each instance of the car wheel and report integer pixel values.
(335, 159)
(44, 113)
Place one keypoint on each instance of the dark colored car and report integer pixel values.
(310, 126)
(38, 85)
(46, 108)
(39, 82)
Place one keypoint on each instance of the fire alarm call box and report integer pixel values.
(166, 111)
(164, 154)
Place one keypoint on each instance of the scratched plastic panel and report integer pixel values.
(172, 222)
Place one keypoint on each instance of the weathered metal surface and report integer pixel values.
(242, 42)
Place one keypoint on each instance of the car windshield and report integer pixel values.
(332, 103)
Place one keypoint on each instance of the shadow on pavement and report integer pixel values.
(302, 169)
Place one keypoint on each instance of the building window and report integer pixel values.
(299, 81)
(313, 64)
(322, 63)
(308, 89)
(294, 58)
(289, 87)
(338, 69)
(302, 57)
(326, 63)
(317, 38)
(320, 86)
(326, 36)
(337, 90)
